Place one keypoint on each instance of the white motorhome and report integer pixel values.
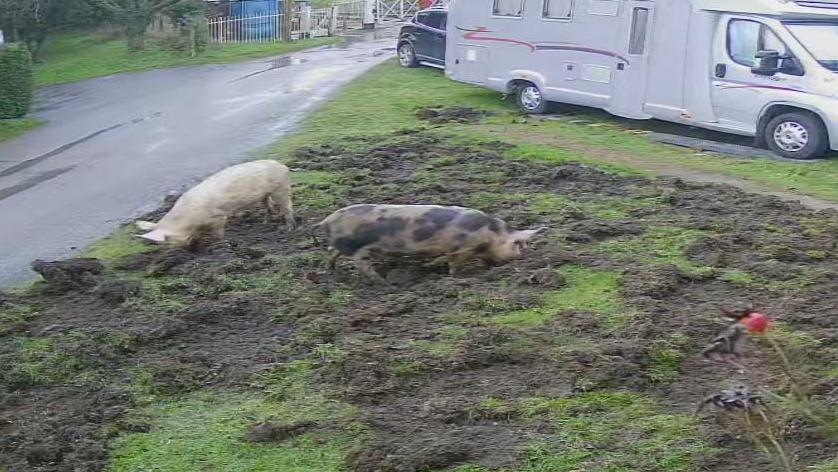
(762, 68)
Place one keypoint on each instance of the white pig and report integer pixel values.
(207, 206)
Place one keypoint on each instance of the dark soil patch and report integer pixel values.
(440, 115)
(418, 358)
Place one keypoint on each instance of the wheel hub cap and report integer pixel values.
(530, 98)
(791, 136)
(404, 55)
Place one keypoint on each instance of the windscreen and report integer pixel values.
(820, 39)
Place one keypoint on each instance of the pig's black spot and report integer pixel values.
(360, 209)
(441, 216)
(348, 246)
(424, 232)
(433, 221)
(474, 221)
(390, 226)
(482, 248)
(369, 233)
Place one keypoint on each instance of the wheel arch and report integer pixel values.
(520, 77)
(773, 110)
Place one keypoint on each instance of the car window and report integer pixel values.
(746, 38)
(435, 20)
(510, 8)
(422, 17)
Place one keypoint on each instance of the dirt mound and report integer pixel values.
(440, 115)
(437, 366)
(72, 274)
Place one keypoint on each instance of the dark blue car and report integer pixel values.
(422, 40)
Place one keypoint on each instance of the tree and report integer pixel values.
(135, 16)
(31, 21)
(190, 19)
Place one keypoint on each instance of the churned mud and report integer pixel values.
(440, 368)
(440, 115)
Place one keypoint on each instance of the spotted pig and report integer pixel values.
(460, 234)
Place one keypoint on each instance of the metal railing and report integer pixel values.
(306, 23)
(311, 22)
(395, 9)
(246, 29)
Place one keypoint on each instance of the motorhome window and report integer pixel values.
(558, 9)
(639, 26)
(603, 7)
(508, 8)
(820, 39)
(746, 38)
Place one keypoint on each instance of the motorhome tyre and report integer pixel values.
(407, 55)
(797, 135)
(530, 99)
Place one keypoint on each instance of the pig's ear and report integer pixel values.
(146, 225)
(529, 233)
(156, 236)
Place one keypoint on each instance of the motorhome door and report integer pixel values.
(631, 68)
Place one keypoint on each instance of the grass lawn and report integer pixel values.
(585, 355)
(72, 57)
(12, 128)
(389, 97)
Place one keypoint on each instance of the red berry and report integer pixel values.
(756, 322)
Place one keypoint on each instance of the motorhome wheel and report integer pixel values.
(407, 56)
(530, 99)
(796, 135)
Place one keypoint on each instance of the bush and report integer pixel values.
(15, 81)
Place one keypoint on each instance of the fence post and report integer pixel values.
(305, 22)
(369, 19)
(287, 18)
(333, 21)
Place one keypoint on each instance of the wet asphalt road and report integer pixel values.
(114, 147)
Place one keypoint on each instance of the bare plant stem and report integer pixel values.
(756, 437)
(787, 369)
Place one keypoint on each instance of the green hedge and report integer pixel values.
(15, 81)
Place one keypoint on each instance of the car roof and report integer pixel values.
(438, 8)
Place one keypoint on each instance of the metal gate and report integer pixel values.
(395, 9)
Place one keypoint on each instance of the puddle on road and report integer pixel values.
(286, 61)
(277, 63)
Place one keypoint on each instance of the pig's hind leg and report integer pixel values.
(270, 208)
(364, 262)
(282, 198)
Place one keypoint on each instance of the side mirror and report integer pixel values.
(769, 62)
